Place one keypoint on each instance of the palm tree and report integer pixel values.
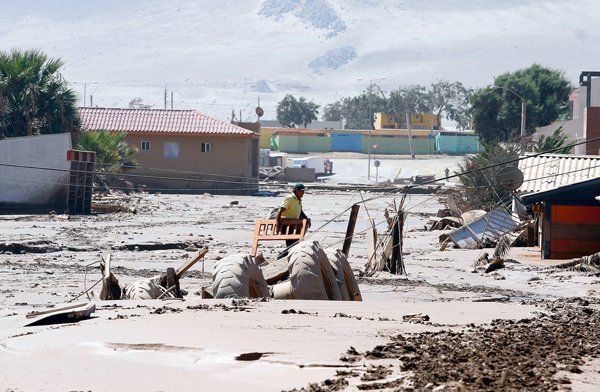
(113, 154)
(34, 98)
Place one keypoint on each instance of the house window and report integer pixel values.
(145, 146)
(205, 147)
(171, 150)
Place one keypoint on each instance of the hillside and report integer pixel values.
(222, 55)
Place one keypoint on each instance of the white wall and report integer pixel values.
(23, 180)
(574, 128)
(578, 96)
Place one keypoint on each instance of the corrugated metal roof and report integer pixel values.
(492, 225)
(156, 121)
(550, 171)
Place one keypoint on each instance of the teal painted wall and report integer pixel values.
(398, 145)
(314, 143)
(458, 144)
(288, 143)
(386, 144)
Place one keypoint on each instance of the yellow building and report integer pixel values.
(417, 121)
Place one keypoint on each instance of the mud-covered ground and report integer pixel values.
(543, 353)
(443, 326)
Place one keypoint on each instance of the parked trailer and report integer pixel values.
(317, 163)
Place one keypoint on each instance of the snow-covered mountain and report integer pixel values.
(223, 55)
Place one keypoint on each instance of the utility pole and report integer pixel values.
(165, 97)
(370, 130)
(171, 99)
(370, 98)
(85, 90)
(523, 113)
(410, 141)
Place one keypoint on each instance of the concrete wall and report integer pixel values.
(578, 97)
(575, 128)
(34, 171)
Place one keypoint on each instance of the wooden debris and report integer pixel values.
(110, 284)
(415, 318)
(61, 314)
(171, 278)
(188, 264)
(111, 208)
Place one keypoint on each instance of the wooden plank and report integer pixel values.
(108, 208)
(61, 314)
(107, 267)
(188, 264)
(371, 241)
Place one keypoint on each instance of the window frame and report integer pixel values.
(171, 150)
(205, 147)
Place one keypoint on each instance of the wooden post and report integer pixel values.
(350, 229)
(371, 242)
(396, 265)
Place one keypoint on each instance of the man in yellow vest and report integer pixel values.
(291, 208)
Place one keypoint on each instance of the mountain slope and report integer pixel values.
(219, 55)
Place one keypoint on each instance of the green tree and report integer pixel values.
(450, 100)
(113, 154)
(479, 189)
(406, 100)
(357, 112)
(34, 98)
(552, 142)
(138, 103)
(333, 111)
(496, 109)
(292, 112)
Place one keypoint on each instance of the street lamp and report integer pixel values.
(523, 112)
(370, 120)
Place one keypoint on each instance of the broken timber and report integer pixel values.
(61, 314)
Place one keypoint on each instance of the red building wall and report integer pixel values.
(573, 231)
(592, 130)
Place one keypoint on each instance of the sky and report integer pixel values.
(219, 56)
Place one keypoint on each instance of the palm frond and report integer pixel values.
(502, 247)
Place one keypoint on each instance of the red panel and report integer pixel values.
(575, 214)
(570, 246)
(592, 116)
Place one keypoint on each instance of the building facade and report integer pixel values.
(182, 150)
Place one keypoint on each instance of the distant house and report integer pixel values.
(562, 191)
(585, 124)
(417, 121)
(183, 150)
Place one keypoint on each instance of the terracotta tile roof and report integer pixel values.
(550, 171)
(156, 121)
